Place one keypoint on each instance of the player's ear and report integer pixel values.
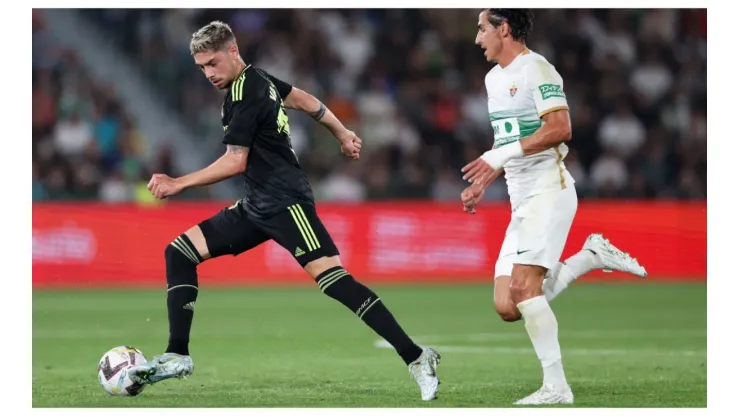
(234, 51)
(504, 29)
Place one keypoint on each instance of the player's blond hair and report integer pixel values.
(214, 36)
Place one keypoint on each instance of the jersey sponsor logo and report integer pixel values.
(282, 119)
(513, 89)
(283, 126)
(505, 131)
(551, 91)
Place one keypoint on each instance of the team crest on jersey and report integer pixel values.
(513, 89)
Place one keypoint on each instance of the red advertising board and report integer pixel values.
(123, 245)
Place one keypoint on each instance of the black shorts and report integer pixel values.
(297, 229)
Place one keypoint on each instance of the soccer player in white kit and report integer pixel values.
(529, 113)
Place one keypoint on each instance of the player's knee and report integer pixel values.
(317, 267)
(510, 316)
(327, 279)
(508, 313)
(526, 283)
(181, 265)
(181, 252)
(522, 291)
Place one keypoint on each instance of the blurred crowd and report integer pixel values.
(85, 145)
(409, 82)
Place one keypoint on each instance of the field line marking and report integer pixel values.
(585, 334)
(570, 351)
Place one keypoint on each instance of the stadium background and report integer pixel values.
(116, 97)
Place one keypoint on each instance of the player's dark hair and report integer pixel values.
(520, 21)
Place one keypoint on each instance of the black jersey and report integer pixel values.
(253, 116)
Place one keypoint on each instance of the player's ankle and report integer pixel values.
(179, 347)
(583, 262)
(554, 376)
(411, 353)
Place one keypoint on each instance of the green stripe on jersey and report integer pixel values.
(530, 113)
(237, 87)
(512, 125)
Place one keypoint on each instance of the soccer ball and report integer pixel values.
(113, 371)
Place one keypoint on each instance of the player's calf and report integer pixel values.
(182, 259)
(540, 323)
(337, 283)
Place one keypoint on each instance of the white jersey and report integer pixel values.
(518, 97)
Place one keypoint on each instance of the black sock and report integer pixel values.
(182, 290)
(340, 285)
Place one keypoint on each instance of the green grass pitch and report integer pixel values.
(639, 344)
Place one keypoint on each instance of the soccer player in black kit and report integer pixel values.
(278, 205)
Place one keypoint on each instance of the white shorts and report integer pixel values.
(538, 230)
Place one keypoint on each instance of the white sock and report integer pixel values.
(557, 280)
(559, 277)
(542, 327)
(583, 262)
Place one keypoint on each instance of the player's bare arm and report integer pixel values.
(233, 162)
(298, 99)
(555, 130)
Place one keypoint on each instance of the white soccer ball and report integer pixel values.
(113, 371)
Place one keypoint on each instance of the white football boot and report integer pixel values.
(547, 394)
(162, 367)
(612, 258)
(424, 372)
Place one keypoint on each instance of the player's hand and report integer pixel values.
(162, 186)
(477, 171)
(471, 196)
(350, 144)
